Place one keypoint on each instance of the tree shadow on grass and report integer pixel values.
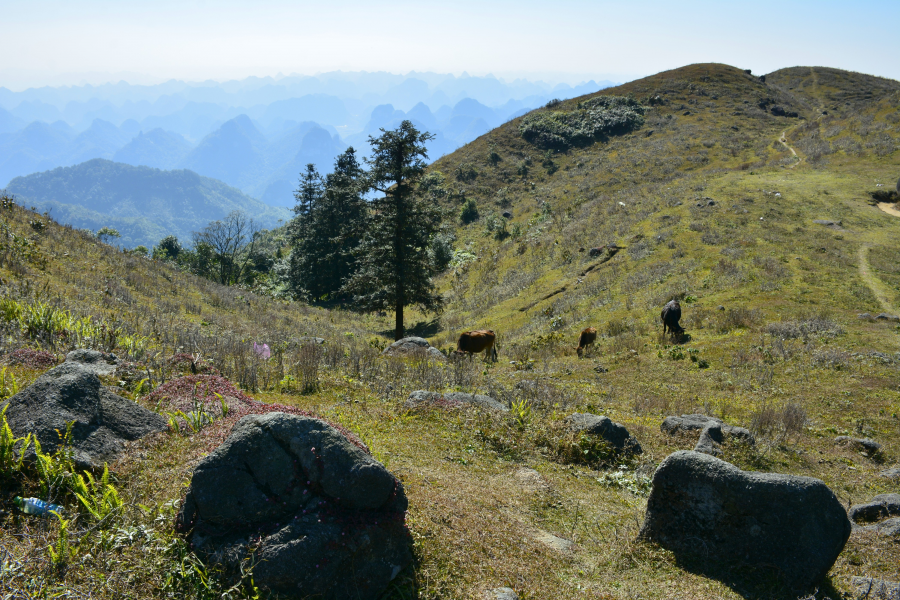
(762, 582)
(423, 329)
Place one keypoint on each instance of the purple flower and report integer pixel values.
(262, 350)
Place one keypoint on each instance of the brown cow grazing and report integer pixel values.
(474, 342)
(670, 315)
(588, 337)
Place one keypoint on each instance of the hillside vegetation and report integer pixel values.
(705, 201)
(101, 193)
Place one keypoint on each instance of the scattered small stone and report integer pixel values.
(601, 369)
(615, 434)
(700, 505)
(420, 397)
(711, 439)
(887, 317)
(413, 345)
(712, 431)
(502, 593)
(556, 543)
(892, 473)
(314, 340)
(531, 480)
(720, 307)
(869, 588)
(863, 444)
(881, 507)
(865, 316)
(828, 223)
(888, 527)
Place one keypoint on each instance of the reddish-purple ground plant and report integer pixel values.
(208, 392)
(32, 359)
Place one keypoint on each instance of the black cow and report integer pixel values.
(670, 315)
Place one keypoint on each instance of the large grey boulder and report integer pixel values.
(98, 362)
(422, 397)
(103, 421)
(708, 509)
(318, 516)
(615, 434)
(411, 346)
(881, 507)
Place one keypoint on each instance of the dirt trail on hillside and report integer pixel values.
(890, 208)
(783, 141)
(873, 282)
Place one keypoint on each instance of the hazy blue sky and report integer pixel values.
(54, 42)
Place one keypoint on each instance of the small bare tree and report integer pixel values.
(233, 240)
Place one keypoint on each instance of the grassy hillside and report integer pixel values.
(708, 203)
(144, 204)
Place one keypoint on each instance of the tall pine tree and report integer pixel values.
(307, 196)
(330, 232)
(394, 270)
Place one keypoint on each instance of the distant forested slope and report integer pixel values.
(144, 204)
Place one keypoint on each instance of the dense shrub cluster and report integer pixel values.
(592, 120)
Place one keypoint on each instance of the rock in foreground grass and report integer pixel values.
(704, 508)
(317, 515)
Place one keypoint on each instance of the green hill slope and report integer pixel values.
(144, 204)
(718, 207)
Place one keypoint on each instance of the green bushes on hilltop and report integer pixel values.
(590, 121)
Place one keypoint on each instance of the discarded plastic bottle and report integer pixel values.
(35, 506)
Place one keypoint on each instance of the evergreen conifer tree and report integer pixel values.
(331, 230)
(394, 269)
(307, 196)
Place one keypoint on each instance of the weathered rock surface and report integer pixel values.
(502, 593)
(322, 517)
(888, 527)
(861, 444)
(615, 434)
(532, 481)
(881, 507)
(892, 473)
(103, 421)
(869, 588)
(712, 431)
(421, 397)
(887, 317)
(411, 346)
(554, 542)
(704, 507)
(97, 362)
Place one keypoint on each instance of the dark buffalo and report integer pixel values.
(671, 314)
(473, 342)
(588, 337)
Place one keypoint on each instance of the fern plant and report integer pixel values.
(62, 553)
(99, 497)
(12, 449)
(55, 469)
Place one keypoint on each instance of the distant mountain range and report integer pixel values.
(142, 203)
(256, 134)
